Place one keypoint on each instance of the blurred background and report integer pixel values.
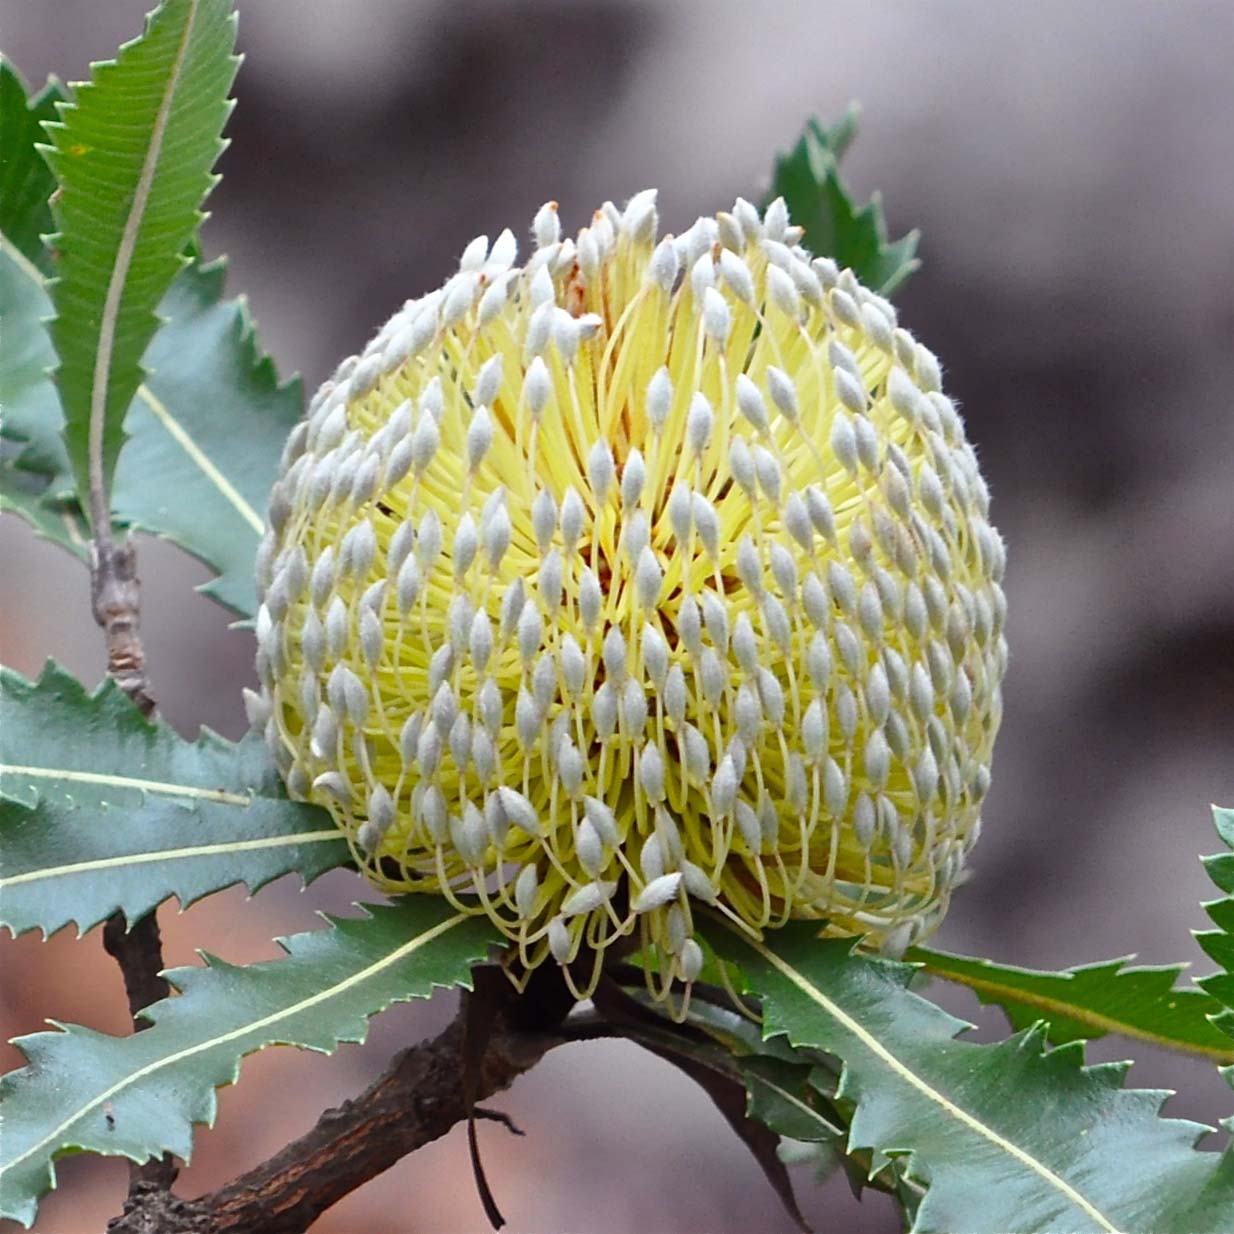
(1070, 164)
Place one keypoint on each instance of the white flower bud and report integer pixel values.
(655, 655)
(544, 519)
(691, 960)
(590, 598)
(648, 578)
(466, 542)
(633, 478)
(601, 470)
(659, 398)
(337, 623)
(724, 787)
(697, 754)
(717, 316)
(750, 403)
(699, 424)
(546, 226)
(737, 275)
(782, 292)
(633, 709)
(715, 618)
(496, 531)
(768, 471)
(530, 633)
(658, 892)
(706, 523)
(537, 388)
(587, 898)
(749, 566)
(775, 220)
(741, 464)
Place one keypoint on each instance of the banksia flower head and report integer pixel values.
(649, 575)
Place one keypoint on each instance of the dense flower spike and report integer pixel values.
(651, 574)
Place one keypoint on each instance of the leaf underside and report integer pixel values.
(1087, 1002)
(22, 493)
(132, 156)
(26, 182)
(795, 1091)
(207, 430)
(808, 178)
(140, 1096)
(1005, 1136)
(104, 811)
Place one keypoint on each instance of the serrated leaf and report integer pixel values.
(32, 418)
(103, 810)
(133, 155)
(808, 178)
(206, 432)
(25, 494)
(139, 1096)
(794, 1092)
(782, 1098)
(206, 428)
(1006, 1136)
(1219, 943)
(1091, 1000)
(26, 182)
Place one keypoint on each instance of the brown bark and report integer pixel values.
(115, 596)
(418, 1099)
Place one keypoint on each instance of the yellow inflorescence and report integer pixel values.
(644, 576)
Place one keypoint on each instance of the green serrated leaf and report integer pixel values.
(103, 810)
(1218, 944)
(30, 413)
(1091, 1000)
(32, 418)
(133, 156)
(1006, 1136)
(206, 428)
(139, 1096)
(26, 182)
(808, 178)
(782, 1098)
(206, 432)
(24, 493)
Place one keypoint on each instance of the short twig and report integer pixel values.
(115, 596)
(499, 1116)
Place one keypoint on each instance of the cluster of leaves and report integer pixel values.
(191, 370)
(831, 1054)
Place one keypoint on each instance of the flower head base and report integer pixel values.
(648, 575)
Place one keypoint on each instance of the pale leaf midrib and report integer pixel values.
(910, 1077)
(788, 1097)
(154, 856)
(1074, 1011)
(104, 780)
(98, 505)
(201, 1047)
(177, 432)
